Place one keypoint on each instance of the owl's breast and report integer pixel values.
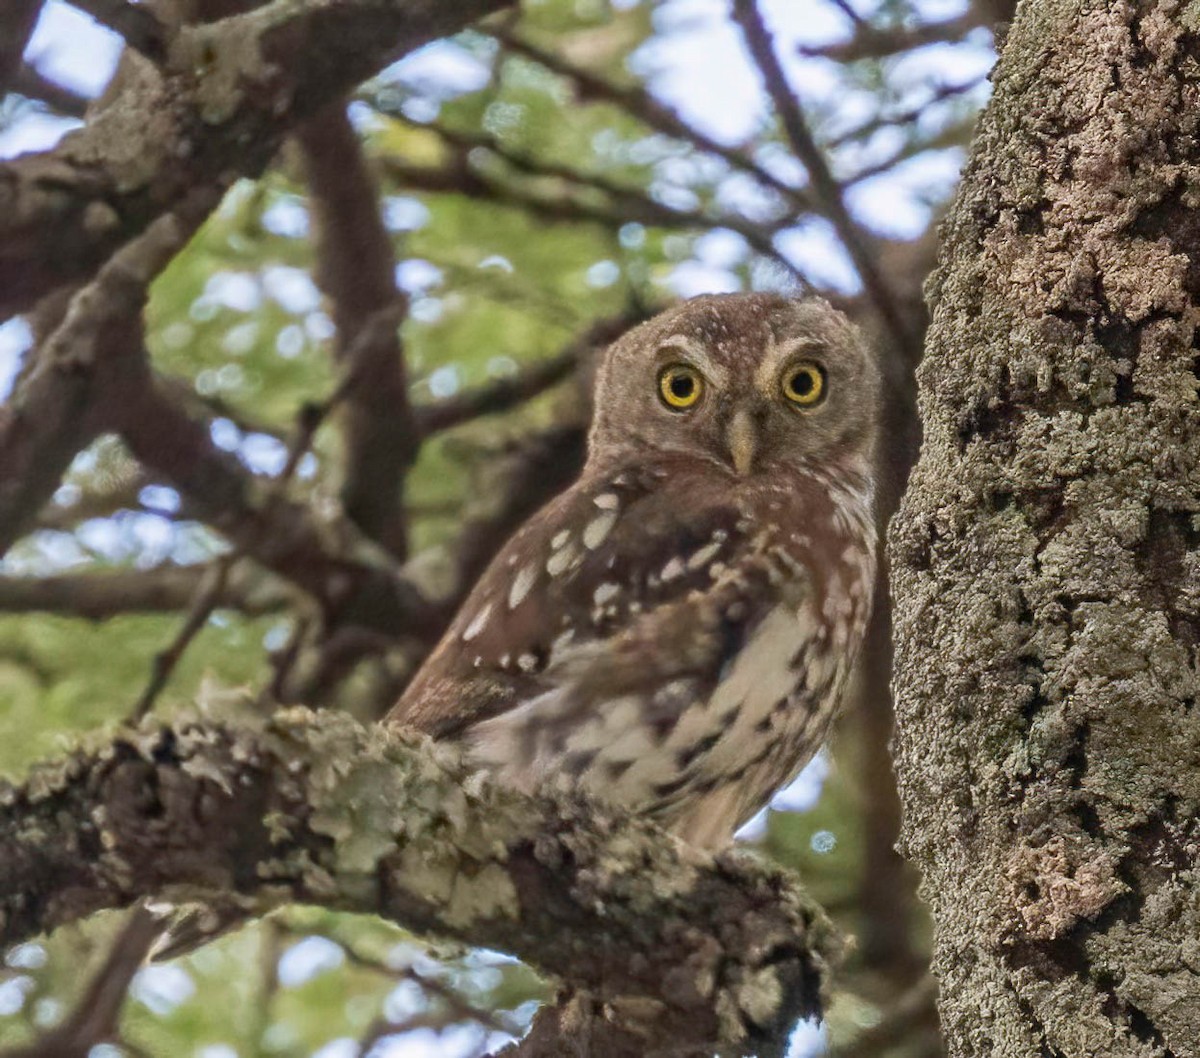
(760, 724)
(756, 695)
(772, 705)
(672, 649)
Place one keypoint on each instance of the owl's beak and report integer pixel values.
(742, 436)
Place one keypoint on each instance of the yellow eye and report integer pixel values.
(680, 386)
(804, 383)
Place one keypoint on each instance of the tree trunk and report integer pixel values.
(1047, 556)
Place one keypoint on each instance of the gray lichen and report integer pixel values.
(724, 954)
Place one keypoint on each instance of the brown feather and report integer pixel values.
(670, 633)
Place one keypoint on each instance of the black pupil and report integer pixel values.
(682, 386)
(802, 383)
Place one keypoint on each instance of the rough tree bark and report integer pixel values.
(1047, 556)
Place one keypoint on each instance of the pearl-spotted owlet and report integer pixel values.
(673, 632)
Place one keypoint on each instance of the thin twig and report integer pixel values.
(208, 596)
(210, 591)
(245, 421)
(458, 1008)
(381, 1028)
(940, 94)
(639, 103)
(952, 136)
(844, 7)
(284, 662)
(352, 582)
(874, 42)
(825, 187)
(94, 1018)
(270, 942)
(464, 177)
(506, 393)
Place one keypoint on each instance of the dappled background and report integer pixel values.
(540, 185)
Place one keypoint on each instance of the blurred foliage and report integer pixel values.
(493, 287)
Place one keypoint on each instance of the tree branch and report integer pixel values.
(940, 94)
(95, 1018)
(954, 134)
(677, 949)
(282, 535)
(577, 200)
(33, 84)
(49, 416)
(17, 19)
(356, 269)
(207, 598)
(210, 118)
(99, 596)
(506, 393)
(639, 103)
(872, 42)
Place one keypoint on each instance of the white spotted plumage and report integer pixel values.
(477, 623)
(672, 633)
(522, 584)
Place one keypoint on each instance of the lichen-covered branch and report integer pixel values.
(671, 946)
(229, 91)
(1047, 555)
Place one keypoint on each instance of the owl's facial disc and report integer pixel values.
(746, 416)
(762, 385)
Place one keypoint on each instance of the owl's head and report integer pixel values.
(753, 382)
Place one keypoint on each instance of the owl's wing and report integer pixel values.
(604, 625)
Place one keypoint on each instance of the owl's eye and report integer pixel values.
(804, 383)
(680, 386)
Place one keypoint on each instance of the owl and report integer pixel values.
(673, 632)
